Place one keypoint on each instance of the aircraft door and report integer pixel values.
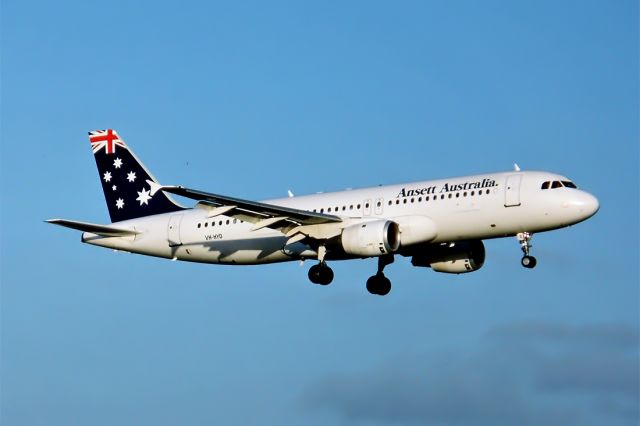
(367, 207)
(173, 230)
(512, 191)
(379, 206)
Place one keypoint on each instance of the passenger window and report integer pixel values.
(206, 224)
(545, 185)
(556, 184)
(473, 193)
(457, 195)
(569, 184)
(359, 206)
(198, 225)
(329, 210)
(351, 207)
(450, 195)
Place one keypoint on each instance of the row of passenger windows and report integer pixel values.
(558, 184)
(220, 223)
(406, 200)
(378, 204)
(344, 208)
(442, 196)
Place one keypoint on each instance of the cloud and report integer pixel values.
(525, 374)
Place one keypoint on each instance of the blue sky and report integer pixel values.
(252, 99)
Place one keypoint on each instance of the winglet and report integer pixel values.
(516, 167)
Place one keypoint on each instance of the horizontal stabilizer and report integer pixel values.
(102, 230)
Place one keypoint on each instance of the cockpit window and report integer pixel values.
(558, 184)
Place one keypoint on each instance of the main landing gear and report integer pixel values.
(524, 238)
(379, 284)
(321, 273)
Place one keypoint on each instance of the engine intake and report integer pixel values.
(453, 258)
(374, 238)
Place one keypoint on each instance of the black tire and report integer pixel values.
(379, 284)
(529, 262)
(372, 284)
(314, 274)
(384, 286)
(326, 275)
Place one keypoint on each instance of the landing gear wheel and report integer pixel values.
(529, 262)
(379, 284)
(320, 274)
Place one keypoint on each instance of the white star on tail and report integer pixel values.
(114, 187)
(117, 163)
(144, 197)
(119, 203)
(107, 176)
(131, 176)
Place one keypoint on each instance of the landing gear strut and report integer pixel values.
(524, 238)
(321, 273)
(378, 283)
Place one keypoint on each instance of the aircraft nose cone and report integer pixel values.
(591, 205)
(584, 204)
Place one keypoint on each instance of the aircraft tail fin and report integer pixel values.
(125, 180)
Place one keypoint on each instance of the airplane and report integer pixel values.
(439, 224)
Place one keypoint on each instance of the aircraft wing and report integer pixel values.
(262, 215)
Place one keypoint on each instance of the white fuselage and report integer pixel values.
(464, 208)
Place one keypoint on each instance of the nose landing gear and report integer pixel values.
(524, 238)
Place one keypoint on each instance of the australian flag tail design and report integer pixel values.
(125, 179)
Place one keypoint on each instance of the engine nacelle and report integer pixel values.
(452, 258)
(375, 238)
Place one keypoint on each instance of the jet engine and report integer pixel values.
(453, 258)
(375, 238)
